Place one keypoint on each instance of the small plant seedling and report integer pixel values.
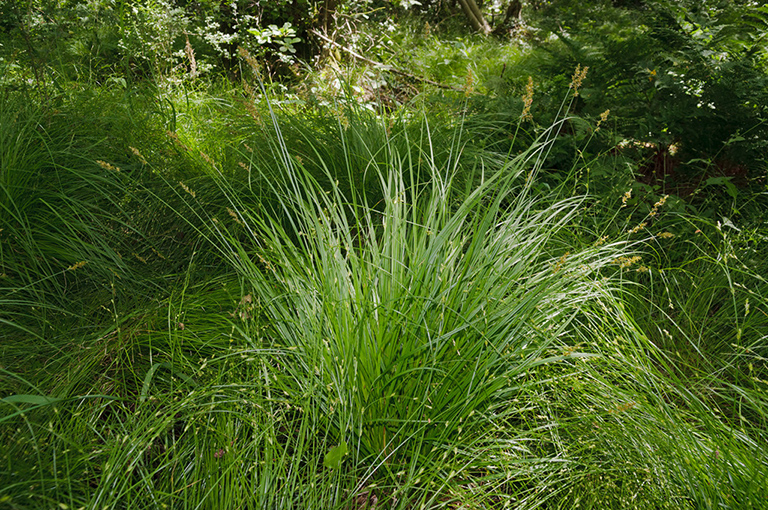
(335, 456)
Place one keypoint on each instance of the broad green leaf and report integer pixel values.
(40, 400)
(335, 455)
(35, 400)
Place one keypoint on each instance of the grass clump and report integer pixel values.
(412, 325)
(361, 310)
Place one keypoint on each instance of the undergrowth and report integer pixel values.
(220, 302)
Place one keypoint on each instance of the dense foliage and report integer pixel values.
(347, 254)
(690, 75)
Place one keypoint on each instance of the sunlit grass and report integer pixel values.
(259, 290)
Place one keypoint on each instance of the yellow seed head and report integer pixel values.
(207, 159)
(186, 188)
(469, 82)
(176, 140)
(658, 204)
(603, 118)
(527, 100)
(560, 262)
(578, 77)
(107, 166)
(626, 197)
(138, 154)
(252, 63)
(625, 262)
(234, 215)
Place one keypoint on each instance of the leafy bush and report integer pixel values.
(692, 78)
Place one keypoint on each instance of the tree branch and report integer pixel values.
(380, 65)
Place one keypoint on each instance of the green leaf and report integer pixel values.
(36, 400)
(335, 455)
(40, 400)
(730, 188)
(728, 223)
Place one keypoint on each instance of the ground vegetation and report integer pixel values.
(365, 254)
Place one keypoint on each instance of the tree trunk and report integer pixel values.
(327, 11)
(511, 18)
(475, 16)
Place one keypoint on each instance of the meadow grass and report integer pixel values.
(337, 309)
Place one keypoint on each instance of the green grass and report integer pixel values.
(266, 288)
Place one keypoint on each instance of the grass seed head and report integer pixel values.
(186, 188)
(250, 59)
(603, 118)
(191, 57)
(107, 166)
(625, 262)
(207, 159)
(234, 215)
(578, 77)
(627, 196)
(527, 100)
(657, 205)
(469, 83)
(136, 153)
